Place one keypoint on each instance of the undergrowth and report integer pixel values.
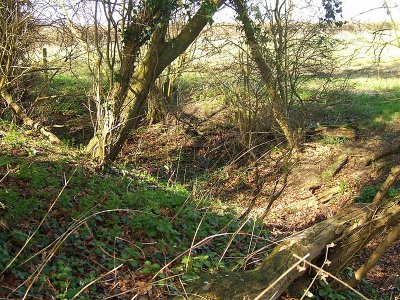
(135, 225)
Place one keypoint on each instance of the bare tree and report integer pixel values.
(287, 49)
(17, 32)
(128, 47)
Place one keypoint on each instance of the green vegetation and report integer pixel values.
(368, 193)
(71, 90)
(327, 292)
(376, 109)
(119, 137)
(99, 222)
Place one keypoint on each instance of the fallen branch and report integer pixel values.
(390, 238)
(340, 162)
(17, 109)
(383, 153)
(43, 98)
(249, 284)
(380, 195)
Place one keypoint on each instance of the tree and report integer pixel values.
(129, 49)
(266, 71)
(17, 31)
(337, 240)
(287, 49)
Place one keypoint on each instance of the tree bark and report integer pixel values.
(26, 119)
(126, 107)
(312, 242)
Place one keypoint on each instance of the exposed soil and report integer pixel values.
(171, 153)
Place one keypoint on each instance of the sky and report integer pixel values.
(369, 10)
(353, 10)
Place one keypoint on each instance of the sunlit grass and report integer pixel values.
(375, 84)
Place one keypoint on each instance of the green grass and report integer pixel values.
(332, 140)
(74, 87)
(372, 109)
(368, 193)
(14, 137)
(70, 91)
(372, 103)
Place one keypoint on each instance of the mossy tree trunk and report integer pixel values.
(344, 235)
(267, 281)
(124, 108)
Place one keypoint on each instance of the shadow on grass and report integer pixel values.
(368, 109)
(101, 221)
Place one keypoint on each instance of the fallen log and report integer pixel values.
(327, 195)
(26, 119)
(340, 162)
(348, 232)
(310, 243)
(384, 153)
(348, 245)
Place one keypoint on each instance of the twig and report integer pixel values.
(194, 239)
(283, 275)
(334, 277)
(95, 280)
(231, 239)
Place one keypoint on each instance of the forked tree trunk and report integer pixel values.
(126, 106)
(116, 121)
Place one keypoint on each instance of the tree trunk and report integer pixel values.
(349, 231)
(18, 111)
(126, 107)
(160, 99)
(276, 101)
(276, 273)
(115, 128)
